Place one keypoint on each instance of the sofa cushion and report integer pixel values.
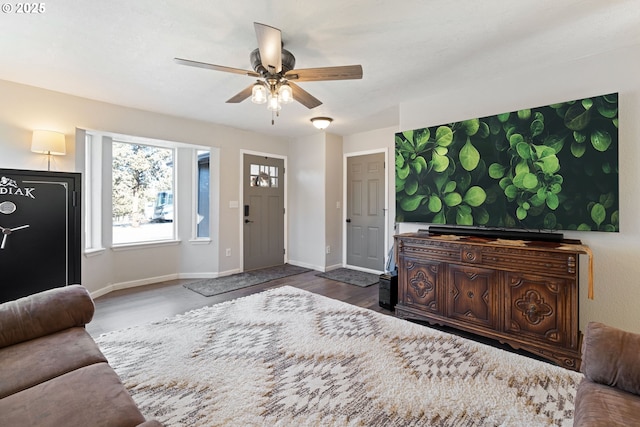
(611, 356)
(89, 396)
(44, 313)
(32, 362)
(598, 405)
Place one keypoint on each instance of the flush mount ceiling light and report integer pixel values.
(321, 122)
(274, 67)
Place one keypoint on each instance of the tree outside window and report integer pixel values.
(142, 193)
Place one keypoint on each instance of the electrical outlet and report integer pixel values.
(328, 249)
(228, 252)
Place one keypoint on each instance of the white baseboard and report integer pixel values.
(229, 272)
(305, 265)
(198, 275)
(132, 284)
(332, 267)
(150, 280)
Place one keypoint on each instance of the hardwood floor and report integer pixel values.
(145, 304)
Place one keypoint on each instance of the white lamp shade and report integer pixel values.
(48, 142)
(258, 94)
(273, 104)
(285, 94)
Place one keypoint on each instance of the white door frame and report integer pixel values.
(241, 203)
(345, 180)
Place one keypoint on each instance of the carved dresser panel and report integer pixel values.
(523, 293)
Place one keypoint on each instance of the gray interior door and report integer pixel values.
(365, 211)
(263, 212)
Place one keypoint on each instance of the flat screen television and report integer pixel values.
(539, 169)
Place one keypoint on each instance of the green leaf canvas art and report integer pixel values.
(546, 168)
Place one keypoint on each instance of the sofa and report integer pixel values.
(52, 373)
(609, 395)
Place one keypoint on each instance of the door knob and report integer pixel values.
(348, 219)
(246, 221)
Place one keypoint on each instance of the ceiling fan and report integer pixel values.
(274, 67)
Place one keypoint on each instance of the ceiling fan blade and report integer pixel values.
(304, 97)
(241, 96)
(270, 46)
(215, 67)
(347, 72)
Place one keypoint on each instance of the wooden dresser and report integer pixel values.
(523, 293)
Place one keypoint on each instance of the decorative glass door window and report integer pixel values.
(264, 176)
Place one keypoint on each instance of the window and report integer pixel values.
(264, 176)
(93, 191)
(89, 242)
(202, 193)
(142, 188)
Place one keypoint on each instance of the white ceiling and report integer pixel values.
(121, 51)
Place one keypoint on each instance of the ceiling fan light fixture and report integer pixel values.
(285, 93)
(258, 93)
(273, 104)
(274, 67)
(321, 122)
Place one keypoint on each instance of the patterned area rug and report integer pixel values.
(352, 277)
(220, 285)
(287, 357)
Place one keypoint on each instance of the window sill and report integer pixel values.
(89, 253)
(200, 241)
(143, 245)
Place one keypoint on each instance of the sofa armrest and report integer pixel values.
(611, 356)
(44, 313)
